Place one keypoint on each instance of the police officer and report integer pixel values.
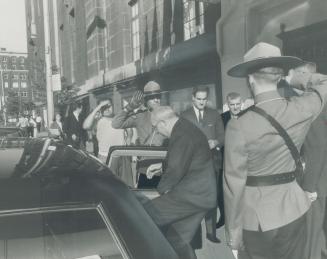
(264, 205)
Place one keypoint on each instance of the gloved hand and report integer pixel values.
(136, 101)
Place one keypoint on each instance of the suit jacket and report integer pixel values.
(73, 126)
(252, 148)
(226, 117)
(315, 154)
(189, 177)
(212, 127)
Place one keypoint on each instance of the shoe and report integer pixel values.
(213, 239)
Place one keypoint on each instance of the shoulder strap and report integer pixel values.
(282, 132)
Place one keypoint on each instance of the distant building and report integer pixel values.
(14, 79)
(36, 53)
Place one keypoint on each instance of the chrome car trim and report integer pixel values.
(50, 209)
(118, 240)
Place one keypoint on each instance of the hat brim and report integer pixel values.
(154, 93)
(246, 68)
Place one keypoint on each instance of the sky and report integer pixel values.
(13, 25)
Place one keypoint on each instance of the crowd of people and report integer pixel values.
(29, 125)
(247, 162)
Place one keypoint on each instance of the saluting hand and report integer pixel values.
(136, 101)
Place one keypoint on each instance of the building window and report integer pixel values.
(5, 76)
(4, 59)
(22, 60)
(14, 76)
(23, 77)
(4, 66)
(136, 32)
(23, 84)
(24, 94)
(14, 67)
(15, 84)
(193, 18)
(6, 84)
(13, 59)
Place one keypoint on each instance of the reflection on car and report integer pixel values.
(58, 202)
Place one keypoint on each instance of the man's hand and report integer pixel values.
(312, 196)
(136, 101)
(153, 169)
(213, 143)
(74, 137)
(103, 103)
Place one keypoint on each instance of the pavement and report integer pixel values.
(212, 250)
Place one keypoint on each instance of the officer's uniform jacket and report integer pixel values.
(142, 122)
(254, 148)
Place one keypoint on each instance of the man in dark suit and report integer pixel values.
(73, 127)
(187, 187)
(234, 103)
(210, 123)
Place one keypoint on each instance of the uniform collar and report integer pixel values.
(267, 96)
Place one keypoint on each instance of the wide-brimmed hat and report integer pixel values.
(263, 55)
(151, 88)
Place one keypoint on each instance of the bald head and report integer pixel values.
(164, 119)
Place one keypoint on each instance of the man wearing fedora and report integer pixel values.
(264, 205)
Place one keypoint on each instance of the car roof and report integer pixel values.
(89, 182)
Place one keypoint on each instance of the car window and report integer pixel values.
(55, 235)
(132, 170)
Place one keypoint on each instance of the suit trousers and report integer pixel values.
(178, 222)
(315, 221)
(286, 242)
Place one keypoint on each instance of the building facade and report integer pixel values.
(16, 93)
(109, 48)
(298, 27)
(36, 54)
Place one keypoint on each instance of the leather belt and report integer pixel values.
(268, 180)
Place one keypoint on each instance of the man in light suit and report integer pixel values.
(210, 123)
(187, 187)
(265, 206)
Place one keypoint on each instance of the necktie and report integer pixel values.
(200, 118)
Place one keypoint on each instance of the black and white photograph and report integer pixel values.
(163, 129)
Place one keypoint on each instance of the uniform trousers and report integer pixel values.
(286, 242)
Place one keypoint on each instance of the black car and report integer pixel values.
(58, 202)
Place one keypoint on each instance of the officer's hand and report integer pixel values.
(153, 169)
(312, 196)
(136, 101)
